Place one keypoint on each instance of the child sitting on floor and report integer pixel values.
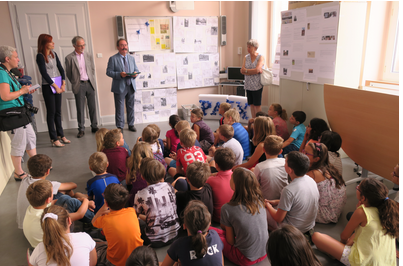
(133, 178)
(143, 256)
(172, 136)
(220, 183)
(271, 173)
(120, 226)
(313, 132)
(150, 135)
(201, 246)
(226, 134)
(98, 163)
(332, 140)
(297, 136)
(279, 116)
(232, 118)
(99, 138)
(116, 154)
(155, 206)
(204, 134)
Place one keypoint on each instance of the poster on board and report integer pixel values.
(309, 43)
(196, 34)
(157, 70)
(197, 70)
(147, 34)
(154, 105)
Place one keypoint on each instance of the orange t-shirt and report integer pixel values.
(122, 232)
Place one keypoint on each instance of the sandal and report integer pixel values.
(64, 140)
(57, 143)
(20, 177)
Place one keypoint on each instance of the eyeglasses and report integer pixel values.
(80, 46)
(304, 152)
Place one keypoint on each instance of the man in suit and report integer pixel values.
(81, 73)
(123, 85)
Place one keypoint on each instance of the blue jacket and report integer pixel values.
(115, 66)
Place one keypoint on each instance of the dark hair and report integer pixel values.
(260, 113)
(43, 40)
(111, 137)
(288, 246)
(377, 193)
(320, 150)
(156, 128)
(298, 162)
(121, 39)
(247, 190)
(149, 135)
(197, 220)
(152, 170)
(173, 120)
(299, 116)
(281, 112)
(224, 158)
(116, 196)
(318, 125)
(142, 256)
(38, 192)
(197, 173)
(38, 165)
(332, 140)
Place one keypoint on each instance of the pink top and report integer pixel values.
(81, 64)
(174, 139)
(281, 128)
(222, 192)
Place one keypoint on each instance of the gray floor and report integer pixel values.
(70, 164)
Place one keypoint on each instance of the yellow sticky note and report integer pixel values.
(152, 30)
(157, 41)
(162, 46)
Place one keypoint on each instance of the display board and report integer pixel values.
(196, 34)
(157, 70)
(154, 105)
(197, 70)
(149, 33)
(309, 43)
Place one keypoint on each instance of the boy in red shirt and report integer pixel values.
(189, 153)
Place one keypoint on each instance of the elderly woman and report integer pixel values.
(251, 68)
(11, 96)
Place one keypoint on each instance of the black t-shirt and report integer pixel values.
(205, 195)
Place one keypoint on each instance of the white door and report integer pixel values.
(63, 21)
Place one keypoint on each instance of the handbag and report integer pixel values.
(14, 117)
(266, 77)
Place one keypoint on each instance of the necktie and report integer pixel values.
(128, 79)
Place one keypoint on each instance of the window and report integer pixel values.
(391, 62)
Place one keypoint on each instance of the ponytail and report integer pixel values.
(377, 195)
(56, 241)
(197, 220)
(280, 111)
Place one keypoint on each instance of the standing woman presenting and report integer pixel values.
(251, 68)
(52, 73)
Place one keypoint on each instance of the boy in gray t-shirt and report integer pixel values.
(299, 201)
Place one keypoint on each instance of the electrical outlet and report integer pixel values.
(99, 55)
(239, 50)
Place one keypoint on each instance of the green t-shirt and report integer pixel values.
(5, 78)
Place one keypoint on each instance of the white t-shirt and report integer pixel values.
(236, 147)
(301, 201)
(22, 201)
(82, 246)
(272, 177)
(32, 226)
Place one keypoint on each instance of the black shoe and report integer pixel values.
(80, 134)
(121, 129)
(132, 128)
(94, 129)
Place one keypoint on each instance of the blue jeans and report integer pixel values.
(290, 148)
(72, 205)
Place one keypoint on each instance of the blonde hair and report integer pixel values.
(140, 151)
(188, 137)
(99, 138)
(156, 128)
(38, 192)
(55, 239)
(225, 106)
(234, 114)
(262, 127)
(197, 112)
(226, 131)
(181, 125)
(273, 144)
(98, 162)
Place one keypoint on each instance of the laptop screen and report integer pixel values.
(234, 74)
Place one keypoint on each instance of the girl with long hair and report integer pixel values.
(244, 220)
(369, 236)
(279, 116)
(331, 186)
(53, 85)
(313, 131)
(59, 246)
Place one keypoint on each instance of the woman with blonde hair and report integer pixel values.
(59, 246)
(263, 127)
